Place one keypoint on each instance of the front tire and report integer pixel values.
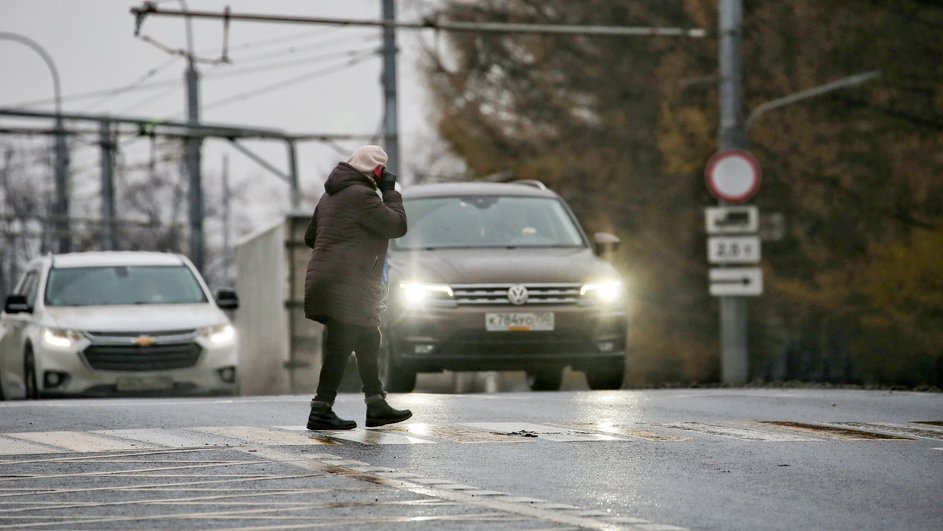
(29, 375)
(608, 379)
(545, 380)
(396, 379)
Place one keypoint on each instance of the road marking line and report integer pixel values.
(107, 456)
(173, 438)
(9, 446)
(831, 432)
(459, 433)
(131, 471)
(550, 433)
(529, 507)
(745, 434)
(77, 441)
(622, 430)
(264, 436)
(896, 429)
(362, 436)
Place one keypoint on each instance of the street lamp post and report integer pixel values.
(62, 229)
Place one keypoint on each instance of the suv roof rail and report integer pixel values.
(530, 182)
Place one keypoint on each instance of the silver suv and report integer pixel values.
(111, 323)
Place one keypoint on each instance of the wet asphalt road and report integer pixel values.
(665, 459)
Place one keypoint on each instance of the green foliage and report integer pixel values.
(622, 128)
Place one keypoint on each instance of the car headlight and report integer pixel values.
(220, 334)
(605, 292)
(415, 294)
(61, 339)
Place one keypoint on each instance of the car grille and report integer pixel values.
(485, 343)
(497, 294)
(165, 350)
(151, 358)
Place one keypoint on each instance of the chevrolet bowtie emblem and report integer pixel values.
(143, 341)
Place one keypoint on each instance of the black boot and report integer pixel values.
(322, 417)
(379, 413)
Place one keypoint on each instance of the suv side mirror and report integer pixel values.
(606, 243)
(227, 299)
(17, 304)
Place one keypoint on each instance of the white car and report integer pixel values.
(112, 323)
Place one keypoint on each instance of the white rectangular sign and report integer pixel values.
(736, 281)
(731, 219)
(733, 249)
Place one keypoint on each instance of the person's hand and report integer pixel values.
(387, 180)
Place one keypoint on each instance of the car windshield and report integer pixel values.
(94, 286)
(488, 221)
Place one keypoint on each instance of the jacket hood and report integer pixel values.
(469, 266)
(344, 175)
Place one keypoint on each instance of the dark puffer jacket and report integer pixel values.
(349, 234)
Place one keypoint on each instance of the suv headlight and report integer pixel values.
(219, 334)
(61, 339)
(604, 292)
(415, 294)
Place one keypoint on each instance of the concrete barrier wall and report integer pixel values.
(262, 320)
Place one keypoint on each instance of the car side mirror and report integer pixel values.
(17, 304)
(227, 299)
(606, 243)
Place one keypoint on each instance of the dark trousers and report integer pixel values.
(339, 341)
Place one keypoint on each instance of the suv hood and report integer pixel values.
(500, 266)
(138, 318)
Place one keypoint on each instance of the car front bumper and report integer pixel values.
(71, 373)
(456, 339)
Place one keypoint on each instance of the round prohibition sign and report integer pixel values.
(733, 176)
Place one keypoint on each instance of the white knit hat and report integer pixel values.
(366, 158)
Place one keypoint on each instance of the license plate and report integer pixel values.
(519, 322)
(155, 383)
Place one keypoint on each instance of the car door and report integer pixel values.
(12, 328)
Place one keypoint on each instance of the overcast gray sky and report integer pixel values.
(93, 45)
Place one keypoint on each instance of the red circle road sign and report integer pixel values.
(733, 176)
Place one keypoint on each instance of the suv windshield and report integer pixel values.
(94, 286)
(488, 221)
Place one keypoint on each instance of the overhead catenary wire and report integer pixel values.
(290, 81)
(157, 84)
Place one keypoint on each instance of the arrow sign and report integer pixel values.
(736, 281)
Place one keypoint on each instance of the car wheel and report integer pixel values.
(606, 379)
(29, 375)
(396, 379)
(546, 380)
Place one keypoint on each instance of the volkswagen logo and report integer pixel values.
(517, 294)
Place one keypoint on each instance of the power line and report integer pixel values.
(155, 85)
(121, 90)
(290, 81)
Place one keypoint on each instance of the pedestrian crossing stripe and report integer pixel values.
(466, 433)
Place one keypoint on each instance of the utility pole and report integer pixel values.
(107, 185)
(734, 360)
(390, 120)
(194, 145)
(227, 246)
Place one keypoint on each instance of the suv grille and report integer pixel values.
(160, 351)
(151, 358)
(497, 294)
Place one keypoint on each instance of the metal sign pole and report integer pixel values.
(734, 359)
